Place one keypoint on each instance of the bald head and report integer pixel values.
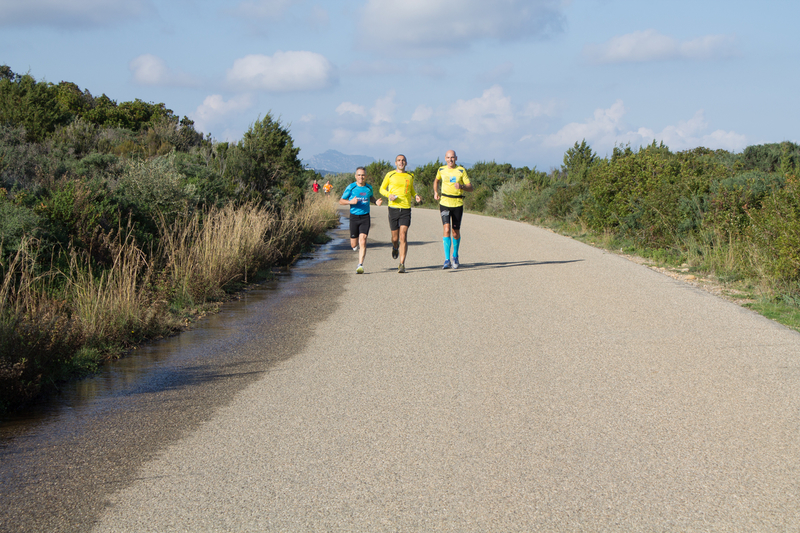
(450, 158)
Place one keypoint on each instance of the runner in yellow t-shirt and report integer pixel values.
(398, 187)
(454, 181)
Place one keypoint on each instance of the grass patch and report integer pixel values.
(783, 313)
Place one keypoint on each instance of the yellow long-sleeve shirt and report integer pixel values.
(401, 184)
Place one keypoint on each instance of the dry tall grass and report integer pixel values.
(112, 304)
(43, 324)
(16, 294)
(299, 227)
(206, 252)
(36, 329)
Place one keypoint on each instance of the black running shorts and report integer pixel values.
(359, 224)
(451, 215)
(399, 217)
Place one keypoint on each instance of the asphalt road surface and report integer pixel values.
(544, 386)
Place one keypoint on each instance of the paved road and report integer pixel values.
(544, 386)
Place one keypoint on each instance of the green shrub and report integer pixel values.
(153, 188)
(513, 200)
(77, 211)
(767, 157)
(478, 198)
(561, 202)
(15, 222)
(26, 165)
(775, 231)
(651, 195)
(98, 165)
(79, 137)
(730, 200)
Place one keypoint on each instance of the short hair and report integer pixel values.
(361, 168)
(401, 155)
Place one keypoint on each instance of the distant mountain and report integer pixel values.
(332, 162)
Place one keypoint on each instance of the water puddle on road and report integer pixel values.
(152, 366)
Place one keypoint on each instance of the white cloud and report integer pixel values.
(649, 45)
(422, 113)
(73, 13)
(480, 125)
(148, 69)
(603, 128)
(382, 130)
(491, 112)
(538, 109)
(282, 72)
(350, 107)
(606, 129)
(709, 47)
(690, 134)
(215, 110)
(384, 108)
(421, 23)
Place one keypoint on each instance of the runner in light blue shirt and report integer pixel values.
(358, 196)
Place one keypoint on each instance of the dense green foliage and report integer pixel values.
(696, 205)
(90, 187)
(73, 165)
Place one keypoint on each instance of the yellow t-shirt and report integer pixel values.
(400, 184)
(449, 195)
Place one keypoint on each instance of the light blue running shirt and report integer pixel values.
(363, 194)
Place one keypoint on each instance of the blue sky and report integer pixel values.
(516, 81)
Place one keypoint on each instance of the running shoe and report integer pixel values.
(446, 265)
(401, 269)
(455, 262)
(395, 253)
(360, 269)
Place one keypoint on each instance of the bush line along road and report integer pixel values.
(544, 386)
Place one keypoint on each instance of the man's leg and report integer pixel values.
(403, 236)
(395, 241)
(353, 243)
(362, 247)
(457, 214)
(446, 241)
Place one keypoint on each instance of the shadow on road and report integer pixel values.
(490, 266)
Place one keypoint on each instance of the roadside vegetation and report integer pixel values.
(120, 223)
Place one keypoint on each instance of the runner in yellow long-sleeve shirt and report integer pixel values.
(398, 187)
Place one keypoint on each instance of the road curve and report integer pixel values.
(544, 386)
